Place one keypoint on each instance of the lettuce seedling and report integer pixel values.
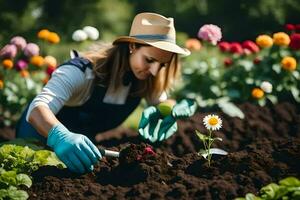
(288, 188)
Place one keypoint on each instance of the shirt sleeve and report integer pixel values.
(65, 81)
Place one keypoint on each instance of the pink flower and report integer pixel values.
(21, 65)
(210, 33)
(31, 49)
(19, 41)
(8, 51)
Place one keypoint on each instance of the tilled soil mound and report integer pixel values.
(264, 147)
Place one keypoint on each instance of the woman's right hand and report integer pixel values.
(77, 152)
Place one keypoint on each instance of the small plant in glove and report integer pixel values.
(165, 107)
(212, 123)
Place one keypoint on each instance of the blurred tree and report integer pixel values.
(239, 19)
(17, 17)
(65, 16)
(111, 17)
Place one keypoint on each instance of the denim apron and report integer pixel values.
(93, 117)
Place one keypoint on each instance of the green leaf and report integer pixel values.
(24, 179)
(295, 92)
(276, 68)
(212, 151)
(250, 196)
(15, 194)
(272, 98)
(230, 109)
(296, 195)
(290, 182)
(262, 102)
(218, 138)
(201, 136)
(45, 157)
(8, 177)
(269, 191)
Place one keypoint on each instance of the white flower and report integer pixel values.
(266, 86)
(91, 32)
(212, 122)
(79, 35)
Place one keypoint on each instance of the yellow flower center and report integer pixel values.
(213, 121)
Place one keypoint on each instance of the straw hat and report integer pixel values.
(155, 30)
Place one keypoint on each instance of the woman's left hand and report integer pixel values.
(154, 128)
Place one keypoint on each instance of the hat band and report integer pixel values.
(155, 37)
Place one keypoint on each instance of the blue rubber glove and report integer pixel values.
(155, 128)
(75, 150)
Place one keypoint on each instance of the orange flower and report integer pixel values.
(50, 61)
(53, 38)
(281, 39)
(7, 63)
(289, 63)
(43, 34)
(193, 44)
(264, 41)
(1, 84)
(24, 73)
(257, 93)
(37, 60)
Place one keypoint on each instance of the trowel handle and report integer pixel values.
(105, 152)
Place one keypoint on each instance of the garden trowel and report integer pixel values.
(110, 153)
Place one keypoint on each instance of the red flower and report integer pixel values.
(149, 151)
(50, 70)
(251, 46)
(297, 26)
(295, 41)
(224, 46)
(236, 47)
(257, 60)
(228, 62)
(290, 27)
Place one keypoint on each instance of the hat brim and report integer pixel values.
(164, 45)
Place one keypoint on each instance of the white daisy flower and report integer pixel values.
(212, 122)
(266, 86)
(79, 35)
(91, 32)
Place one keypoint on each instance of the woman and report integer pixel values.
(98, 91)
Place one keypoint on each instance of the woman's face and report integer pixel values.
(147, 60)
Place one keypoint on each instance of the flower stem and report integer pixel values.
(209, 145)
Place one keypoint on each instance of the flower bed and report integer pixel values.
(263, 148)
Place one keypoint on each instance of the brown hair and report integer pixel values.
(111, 62)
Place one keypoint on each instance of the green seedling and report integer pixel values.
(165, 107)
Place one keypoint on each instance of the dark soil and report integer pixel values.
(263, 148)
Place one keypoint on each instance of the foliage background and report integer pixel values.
(239, 20)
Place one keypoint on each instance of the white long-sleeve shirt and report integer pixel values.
(72, 87)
